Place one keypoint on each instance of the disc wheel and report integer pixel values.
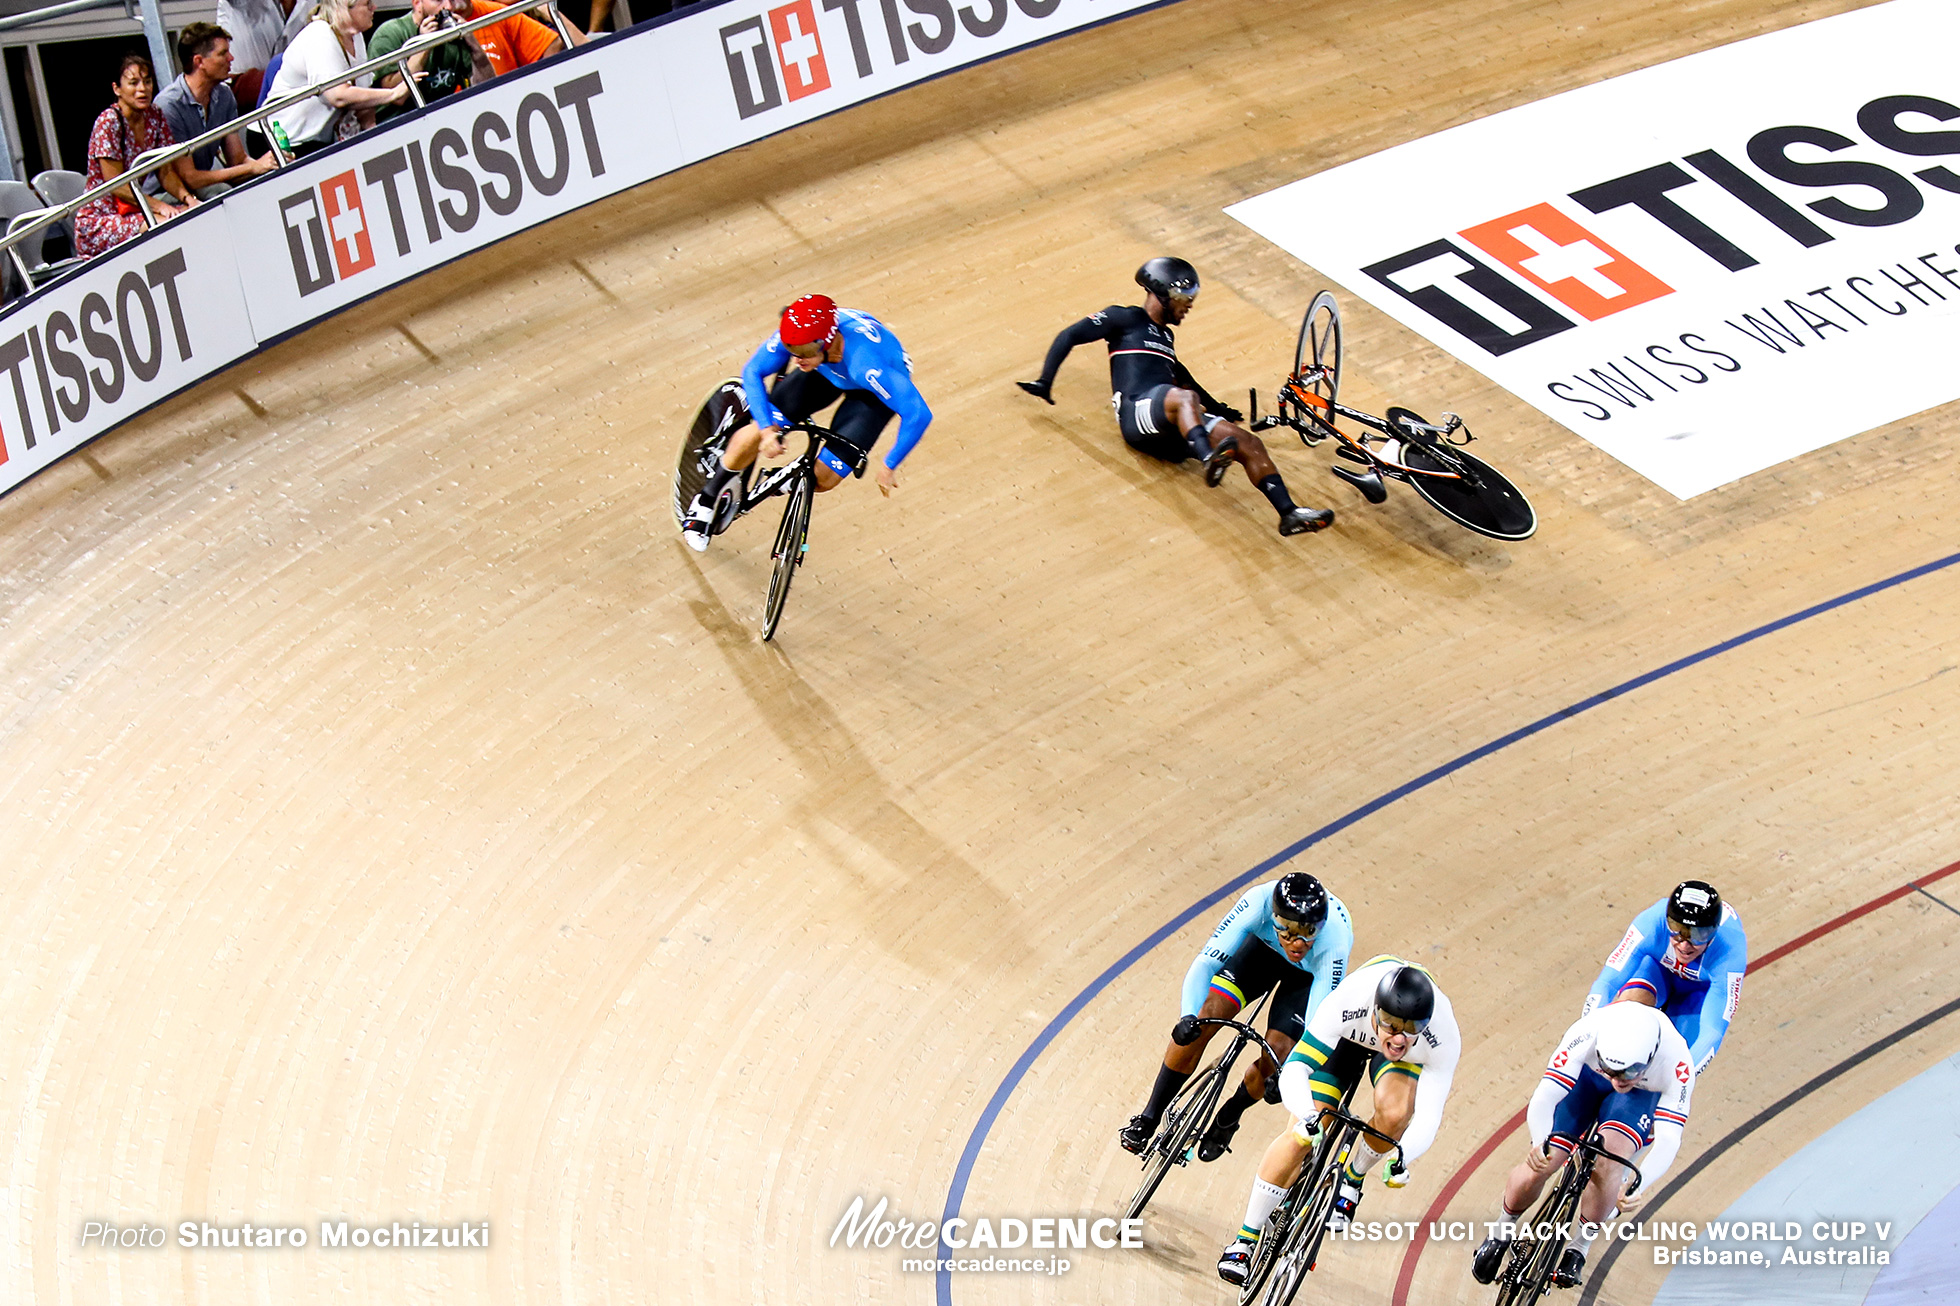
(1471, 493)
(1189, 1113)
(725, 412)
(1319, 347)
(792, 542)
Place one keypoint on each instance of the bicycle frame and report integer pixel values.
(1532, 1260)
(1319, 425)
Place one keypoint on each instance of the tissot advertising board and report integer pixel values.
(1705, 267)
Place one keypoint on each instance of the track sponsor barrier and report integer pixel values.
(196, 295)
(1705, 267)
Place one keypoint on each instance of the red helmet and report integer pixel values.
(811, 320)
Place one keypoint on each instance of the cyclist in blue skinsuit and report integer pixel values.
(1686, 955)
(1291, 936)
(819, 353)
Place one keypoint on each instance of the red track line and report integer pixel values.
(1491, 1144)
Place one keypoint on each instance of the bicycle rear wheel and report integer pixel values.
(1189, 1113)
(792, 542)
(1479, 497)
(1319, 346)
(725, 412)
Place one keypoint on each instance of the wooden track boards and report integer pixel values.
(402, 824)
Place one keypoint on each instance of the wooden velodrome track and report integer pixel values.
(401, 824)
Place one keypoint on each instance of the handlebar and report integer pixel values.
(1246, 1031)
(1600, 1153)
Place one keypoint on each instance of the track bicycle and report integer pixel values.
(726, 412)
(1398, 446)
(1289, 1244)
(1191, 1111)
(1532, 1260)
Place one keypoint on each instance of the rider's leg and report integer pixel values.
(1602, 1194)
(797, 394)
(1395, 1103)
(1222, 439)
(1526, 1181)
(1285, 1021)
(859, 421)
(1179, 1062)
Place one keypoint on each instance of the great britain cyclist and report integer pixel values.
(1389, 1019)
(1686, 954)
(818, 354)
(1161, 409)
(1290, 936)
(1624, 1069)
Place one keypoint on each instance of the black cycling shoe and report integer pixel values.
(1368, 482)
(1489, 1258)
(1217, 1140)
(1219, 461)
(1571, 1269)
(1136, 1135)
(1235, 1265)
(1302, 521)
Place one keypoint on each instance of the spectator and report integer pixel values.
(198, 101)
(259, 28)
(517, 41)
(329, 45)
(444, 70)
(126, 129)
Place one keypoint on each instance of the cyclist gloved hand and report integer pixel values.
(1633, 1201)
(1039, 389)
(1272, 1090)
(1186, 1031)
(1395, 1174)
(1306, 1131)
(1544, 1160)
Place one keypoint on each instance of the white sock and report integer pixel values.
(1362, 1159)
(1505, 1215)
(1581, 1239)
(1264, 1198)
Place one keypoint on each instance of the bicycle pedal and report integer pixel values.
(726, 511)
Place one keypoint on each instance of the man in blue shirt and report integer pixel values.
(1686, 954)
(818, 354)
(198, 101)
(1290, 936)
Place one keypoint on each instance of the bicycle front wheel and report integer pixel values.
(1189, 1113)
(792, 542)
(1302, 1250)
(1470, 492)
(725, 412)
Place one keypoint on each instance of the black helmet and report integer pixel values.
(1694, 909)
(1299, 903)
(1405, 1000)
(1169, 279)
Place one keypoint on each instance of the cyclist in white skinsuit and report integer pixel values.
(1389, 1019)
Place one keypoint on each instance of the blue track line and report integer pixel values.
(956, 1193)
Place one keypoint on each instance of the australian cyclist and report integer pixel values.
(1389, 1018)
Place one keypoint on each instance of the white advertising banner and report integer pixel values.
(133, 327)
(338, 227)
(1706, 267)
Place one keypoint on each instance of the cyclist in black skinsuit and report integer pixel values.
(1164, 412)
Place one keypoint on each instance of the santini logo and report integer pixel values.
(1552, 257)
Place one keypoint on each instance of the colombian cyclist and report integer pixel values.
(1162, 411)
(1292, 934)
(827, 352)
(1686, 955)
(1625, 1069)
(1389, 1018)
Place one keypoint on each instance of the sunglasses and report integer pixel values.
(1397, 1025)
(1693, 935)
(808, 351)
(1295, 933)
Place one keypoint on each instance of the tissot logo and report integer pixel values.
(414, 194)
(1686, 213)
(794, 28)
(346, 222)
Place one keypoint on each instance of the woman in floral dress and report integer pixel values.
(126, 129)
